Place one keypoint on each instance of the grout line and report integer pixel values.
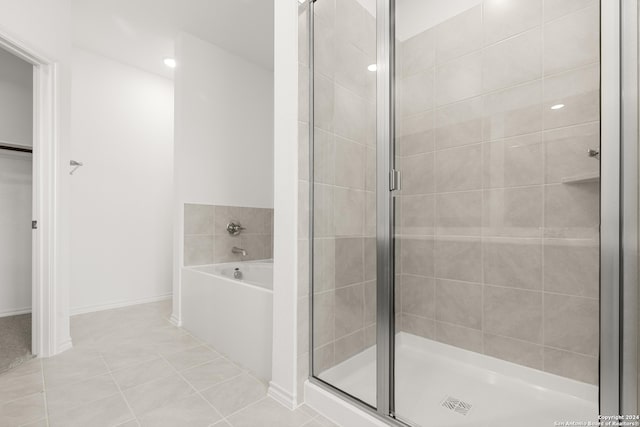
(544, 189)
(199, 392)
(483, 228)
(248, 406)
(135, 417)
(503, 89)
(541, 345)
(44, 393)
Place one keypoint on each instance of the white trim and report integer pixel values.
(178, 260)
(338, 410)
(15, 312)
(281, 396)
(175, 321)
(118, 304)
(284, 382)
(45, 185)
(64, 346)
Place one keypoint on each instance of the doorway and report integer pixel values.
(16, 196)
(48, 318)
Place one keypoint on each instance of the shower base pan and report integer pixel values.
(438, 385)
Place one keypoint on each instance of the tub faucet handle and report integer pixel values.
(234, 228)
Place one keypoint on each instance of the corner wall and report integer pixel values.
(286, 214)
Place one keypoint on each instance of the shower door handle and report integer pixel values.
(395, 183)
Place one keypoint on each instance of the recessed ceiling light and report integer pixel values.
(170, 62)
(557, 107)
(373, 67)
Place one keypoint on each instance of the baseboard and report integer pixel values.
(15, 312)
(281, 396)
(175, 320)
(120, 304)
(64, 346)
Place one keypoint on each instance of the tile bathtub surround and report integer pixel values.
(130, 367)
(499, 250)
(206, 240)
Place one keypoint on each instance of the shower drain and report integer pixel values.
(457, 405)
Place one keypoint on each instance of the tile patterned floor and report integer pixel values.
(130, 368)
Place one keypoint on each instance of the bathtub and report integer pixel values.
(233, 315)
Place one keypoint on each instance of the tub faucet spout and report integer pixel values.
(240, 251)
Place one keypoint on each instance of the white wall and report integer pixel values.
(223, 134)
(44, 27)
(122, 130)
(15, 229)
(224, 127)
(16, 100)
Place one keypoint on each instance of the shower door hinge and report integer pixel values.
(34, 225)
(394, 180)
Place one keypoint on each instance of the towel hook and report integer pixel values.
(75, 165)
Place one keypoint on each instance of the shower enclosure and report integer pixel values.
(456, 211)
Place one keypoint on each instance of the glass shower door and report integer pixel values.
(497, 223)
(343, 196)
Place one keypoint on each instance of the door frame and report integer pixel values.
(44, 202)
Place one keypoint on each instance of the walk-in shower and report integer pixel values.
(456, 209)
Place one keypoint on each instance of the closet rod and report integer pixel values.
(14, 148)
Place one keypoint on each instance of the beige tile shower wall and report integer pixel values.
(344, 176)
(498, 235)
(206, 240)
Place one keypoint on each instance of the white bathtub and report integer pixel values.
(233, 315)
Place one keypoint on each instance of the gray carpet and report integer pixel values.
(15, 341)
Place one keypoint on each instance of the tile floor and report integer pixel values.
(129, 367)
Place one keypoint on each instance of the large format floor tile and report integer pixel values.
(192, 411)
(130, 368)
(235, 394)
(268, 413)
(22, 411)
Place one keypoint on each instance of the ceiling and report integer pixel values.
(143, 32)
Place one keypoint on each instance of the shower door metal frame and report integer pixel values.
(629, 207)
(386, 183)
(385, 163)
(617, 208)
(610, 208)
(312, 378)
